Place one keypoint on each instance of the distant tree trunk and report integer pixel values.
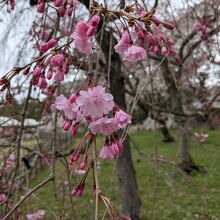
(131, 201)
(167, 138)
(187, 163)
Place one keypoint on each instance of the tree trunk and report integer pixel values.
(187, 163)
(167, 138)
(131, 201)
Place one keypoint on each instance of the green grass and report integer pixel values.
(166, 193)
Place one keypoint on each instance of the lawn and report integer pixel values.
(166, 193)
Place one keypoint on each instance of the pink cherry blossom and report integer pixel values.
(83, 33)
(105, 126)
(95, 102)
(70, 109)
(36, 216)
(111, 149)
(135, 53)
(122, 118)
(82, 42)
(58, 74)
(106, 152)
(124, 43)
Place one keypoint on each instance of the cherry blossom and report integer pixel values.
(105, 126)
(111, 149)
(124, 43)
(135, 53)
(83, 32)
(95, 102)
(122, 118)
(70, 109)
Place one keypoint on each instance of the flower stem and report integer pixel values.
(97, 189)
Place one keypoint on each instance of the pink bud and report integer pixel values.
(70, 11)
(49, 74)
(42, 83)
(58, 3)
(140, 34)
(91, 31)
(43, 47)
(170, 41)
(34, 81)
(52, 42)
(150, 38)
(73, 98)
(37, 71)
(164, 51)
(74, 157)
(66, 125)
(26, 71)
(41, 7)
(78, 190)
(62, 11)
(73, 131)
(84, 163)
(95, 20)
(57, 60)
(65, 68)
(12, 4)
(154, 49)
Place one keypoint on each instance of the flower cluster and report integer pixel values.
(202, 28)
(53, 67)
(83, 33)
(64, 6)
(97, 108)
(134, 43)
